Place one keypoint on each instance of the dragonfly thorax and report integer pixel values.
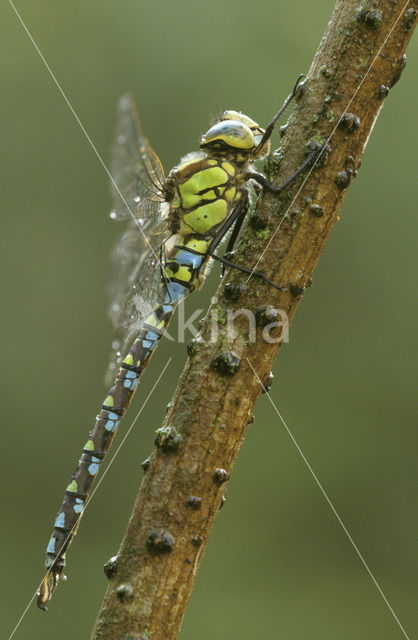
(207, 188)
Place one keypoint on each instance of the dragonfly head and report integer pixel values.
(235, 133)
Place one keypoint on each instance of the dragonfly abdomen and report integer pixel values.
(100, 438)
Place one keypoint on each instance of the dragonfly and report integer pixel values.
(175, 224)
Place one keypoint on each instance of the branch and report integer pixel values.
(152, 578)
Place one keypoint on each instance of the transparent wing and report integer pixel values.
(137, 183)
(139, 197)
(135, 285)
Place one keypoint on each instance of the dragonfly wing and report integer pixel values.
(138, 180)
(138, 190)
(135, 286)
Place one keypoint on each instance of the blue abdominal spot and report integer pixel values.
(130, 384)
(112, 422)
(51, 546)
(60, 521)
(175, 292)
(93, 469)
(152, 336)
(186, 258)
(131, 380)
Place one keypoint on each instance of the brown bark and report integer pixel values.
(194, 457)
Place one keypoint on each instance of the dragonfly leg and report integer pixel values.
(235, 232)
(258, 274)
(236, 218)
(238, 213)
(276, 189)
(269, 129)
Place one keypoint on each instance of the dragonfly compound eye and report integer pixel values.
(251, 124)
(229, 134)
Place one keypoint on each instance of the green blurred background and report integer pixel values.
(278, 564)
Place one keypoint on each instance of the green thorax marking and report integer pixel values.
(206, 191)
